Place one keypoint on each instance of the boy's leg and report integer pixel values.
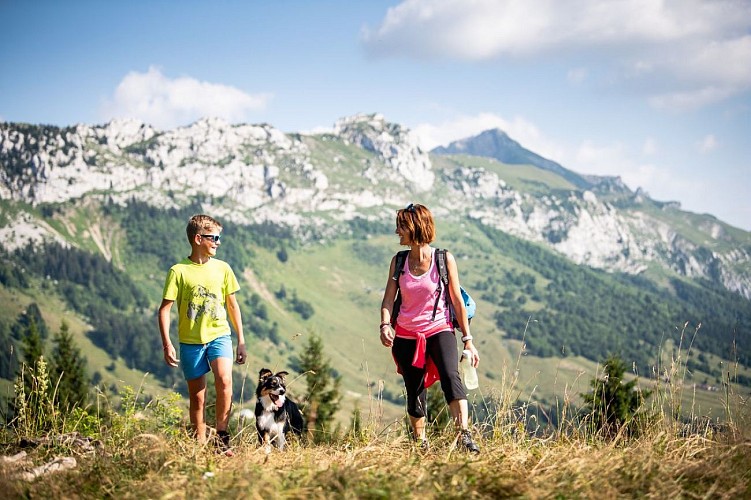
(197, 394)
(195, 366)
(222, 368)
(220, 358)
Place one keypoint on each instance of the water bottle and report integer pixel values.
(469, 372)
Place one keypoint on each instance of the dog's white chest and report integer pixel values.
(266, 422)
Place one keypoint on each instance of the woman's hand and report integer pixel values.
(469, 346)
(387, 335)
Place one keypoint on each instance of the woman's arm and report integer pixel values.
(387, 307)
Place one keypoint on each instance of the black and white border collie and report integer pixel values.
(276, 414)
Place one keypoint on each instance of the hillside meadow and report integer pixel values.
(132, 439)
(139, 447)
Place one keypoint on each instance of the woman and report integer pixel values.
(423, 343)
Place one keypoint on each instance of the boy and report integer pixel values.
(202, 286)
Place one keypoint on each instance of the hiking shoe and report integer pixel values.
(424, 446)
(222, 444)
(465, 438)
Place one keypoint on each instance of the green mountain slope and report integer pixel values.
(568, 317)
(563, 274)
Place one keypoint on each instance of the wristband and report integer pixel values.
(466, 338)
(384, 324)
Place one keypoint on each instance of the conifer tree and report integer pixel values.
(614, 403)
(32, 346)
(323, 398)
(8, 353)
(23, 323)
(31, 388)
(69, 370)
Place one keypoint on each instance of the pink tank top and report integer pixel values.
(418, 299)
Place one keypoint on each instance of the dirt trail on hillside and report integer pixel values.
(96, 236)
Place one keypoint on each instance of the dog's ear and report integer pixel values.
(264, 373)
(282, 374)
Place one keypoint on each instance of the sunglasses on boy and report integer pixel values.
(213, 237)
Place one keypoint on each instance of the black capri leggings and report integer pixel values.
(441, 348)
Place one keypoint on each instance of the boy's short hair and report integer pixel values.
(200, 223)
(417, 221)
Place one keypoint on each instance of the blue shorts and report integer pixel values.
(196, 358)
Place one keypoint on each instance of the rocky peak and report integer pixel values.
(392, 143)
(119, 133)
(257, 173)
(495, 143)
(607, 184)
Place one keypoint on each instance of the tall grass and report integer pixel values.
(143, 450)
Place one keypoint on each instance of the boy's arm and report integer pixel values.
(170, 356)
(236, 318)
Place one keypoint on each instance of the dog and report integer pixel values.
(276, 414)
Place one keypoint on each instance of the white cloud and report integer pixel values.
(577, 75)
(521, 130)
(707, 144)
(690, 99)
(650, 147)
(700, 49)
(165, 103)
(701, 74)
(319, 129)
(659, 181)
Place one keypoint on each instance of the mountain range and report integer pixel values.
(72, 186)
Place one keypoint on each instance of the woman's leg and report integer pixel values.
(459, 412)
(414, 382)
(442, 350)
(418, 427)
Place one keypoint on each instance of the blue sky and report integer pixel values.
(655, 91)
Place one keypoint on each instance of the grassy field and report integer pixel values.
(152, 467)
(141, 450)
(137, 446)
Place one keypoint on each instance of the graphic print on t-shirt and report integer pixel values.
(202, 302)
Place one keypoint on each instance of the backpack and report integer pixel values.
(443, 283)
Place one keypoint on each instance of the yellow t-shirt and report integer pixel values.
(200, 291)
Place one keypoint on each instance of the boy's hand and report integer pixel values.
(170, 356)
(241, 355)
